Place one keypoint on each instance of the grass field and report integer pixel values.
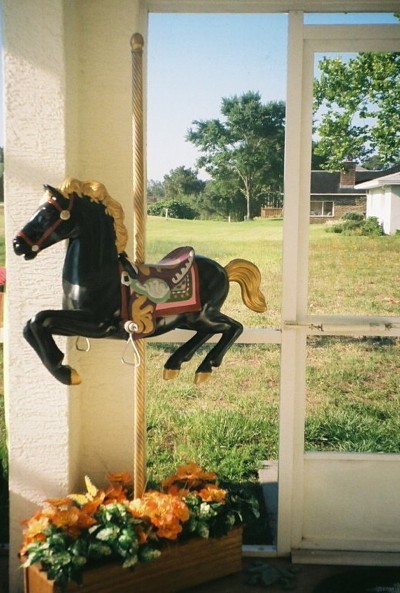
(230, 424)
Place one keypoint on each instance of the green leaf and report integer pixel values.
(203, 530)
(62, 558)
(107, 533)
(97, 550)
(79, 561)
(130, 562)
(147, 554)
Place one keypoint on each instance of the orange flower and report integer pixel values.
(59, 502)
(91, 507)
(83, 521)
(34, 530)
(165, 512)
(179, 492)
(141, 533)
(71, 519)
(123, 478)
(211, 493)
(190, 476)
(115, 493)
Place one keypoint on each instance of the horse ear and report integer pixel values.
(53, 191)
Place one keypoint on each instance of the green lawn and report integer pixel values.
(259, 241)
(231, 422)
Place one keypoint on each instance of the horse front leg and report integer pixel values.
(39, 332)
(41, 340)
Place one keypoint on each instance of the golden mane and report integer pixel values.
(97, 191)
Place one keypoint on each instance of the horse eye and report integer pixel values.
(45, 213)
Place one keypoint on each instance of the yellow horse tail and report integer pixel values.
(248, 276)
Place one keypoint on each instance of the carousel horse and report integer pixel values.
(107, 296)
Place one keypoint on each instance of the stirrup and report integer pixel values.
(77, 346)
(131, 328)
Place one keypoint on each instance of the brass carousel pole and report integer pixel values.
(139, 216)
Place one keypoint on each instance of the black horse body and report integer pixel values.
(92, 288)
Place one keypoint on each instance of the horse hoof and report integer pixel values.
(75, 377)
(169, 374)
(201, 378)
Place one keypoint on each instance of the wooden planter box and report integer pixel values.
(179, 567)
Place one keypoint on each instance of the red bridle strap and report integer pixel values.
(64, 215)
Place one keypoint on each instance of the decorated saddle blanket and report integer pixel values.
(168, 287)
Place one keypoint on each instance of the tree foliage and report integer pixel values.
(359, 100)
(182, 182)
(222, 200)
(245, 148)
(354, 223)
(155, 189)
(172, 209)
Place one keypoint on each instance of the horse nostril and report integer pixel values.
(18, 245)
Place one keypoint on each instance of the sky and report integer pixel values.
(196, 60)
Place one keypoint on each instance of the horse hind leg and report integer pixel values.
(183, 354)
(231, 330)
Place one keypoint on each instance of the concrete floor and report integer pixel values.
(306, 579)
(3, 571)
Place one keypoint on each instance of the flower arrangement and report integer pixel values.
(69, 534)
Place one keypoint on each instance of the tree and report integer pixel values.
(222, 200)
(245, 148)
(182, 182)
(318, 161)
(374, 163)
(155, 189)
(360, 101)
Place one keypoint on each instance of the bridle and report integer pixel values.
(65, 214)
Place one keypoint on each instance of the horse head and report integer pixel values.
(52, 222)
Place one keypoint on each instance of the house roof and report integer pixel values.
(393, 179)
(326, 182)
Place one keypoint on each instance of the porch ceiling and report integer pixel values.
(249, 6)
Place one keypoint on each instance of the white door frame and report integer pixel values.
(296, 529)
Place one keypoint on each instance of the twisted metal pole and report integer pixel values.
(139, 220)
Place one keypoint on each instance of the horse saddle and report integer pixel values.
(156, 290)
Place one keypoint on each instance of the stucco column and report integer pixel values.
(99, 145)
(67, 112)
(38, 408)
